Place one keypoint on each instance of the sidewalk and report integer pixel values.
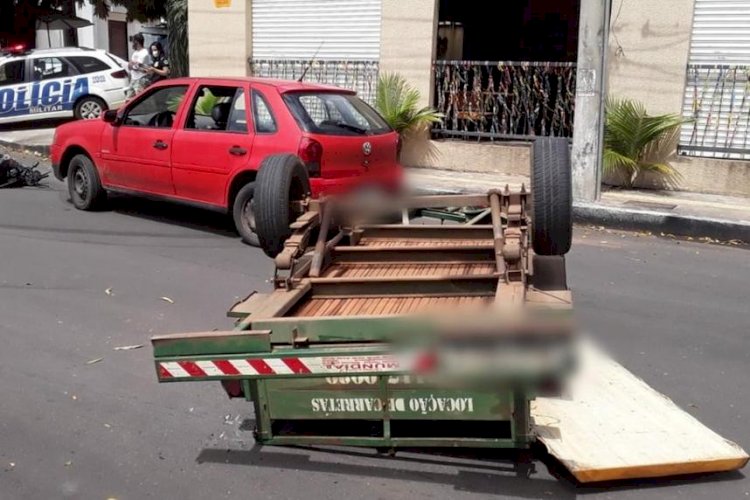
(669, 212)
(27, 139)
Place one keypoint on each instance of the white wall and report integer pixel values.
(87, 36)
(95, 36)
(45, 41)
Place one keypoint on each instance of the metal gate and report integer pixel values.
(343, 36)
(716, 90)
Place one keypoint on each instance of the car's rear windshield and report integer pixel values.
(330, 113)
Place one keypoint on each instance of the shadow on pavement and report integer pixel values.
(498, 475)
(172, 213)
(34, 124)
(490, 471)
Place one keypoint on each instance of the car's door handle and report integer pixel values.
(237, 151)
(160, 145)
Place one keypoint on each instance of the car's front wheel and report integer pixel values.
(85, 188)
(90, 108)
(243, 214)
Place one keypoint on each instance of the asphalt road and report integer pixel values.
(675, 313)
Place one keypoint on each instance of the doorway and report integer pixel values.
(118, 38)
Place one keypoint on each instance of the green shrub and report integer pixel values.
(636, 143)
(398, 102)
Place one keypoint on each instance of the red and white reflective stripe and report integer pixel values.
(286, 366)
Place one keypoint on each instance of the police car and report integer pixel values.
(59, 83)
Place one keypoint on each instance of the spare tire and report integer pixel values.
(552, 193)
(282, 179)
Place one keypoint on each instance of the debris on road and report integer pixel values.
(127, 347)
(108, 291)
(93, 361)
(13, 174)
(167, 299)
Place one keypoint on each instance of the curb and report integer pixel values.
(660, 222)
(24, 148)
(648, 220)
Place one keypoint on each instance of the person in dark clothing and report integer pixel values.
(159, 69)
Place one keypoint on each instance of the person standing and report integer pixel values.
(139, 66)
(159, 69)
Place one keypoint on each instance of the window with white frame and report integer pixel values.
(717, 87)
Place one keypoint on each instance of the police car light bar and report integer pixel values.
(14, 49)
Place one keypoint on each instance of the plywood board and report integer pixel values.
(612, 425)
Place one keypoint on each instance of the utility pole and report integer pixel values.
(588, 123)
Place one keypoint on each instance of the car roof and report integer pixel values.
(282, 86)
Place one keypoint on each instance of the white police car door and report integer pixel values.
(55, 86)
(14, 94)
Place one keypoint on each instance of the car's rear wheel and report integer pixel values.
(282, 180)
(90, 108)
(85, 188)
(243, 214)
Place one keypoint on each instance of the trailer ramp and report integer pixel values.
(614, 426)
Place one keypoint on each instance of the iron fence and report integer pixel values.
(504, 99)
(717, 103)
(361, 76)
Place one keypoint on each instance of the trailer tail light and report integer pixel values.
(311, 153)
(119, 74)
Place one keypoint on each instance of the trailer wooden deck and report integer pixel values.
(614, 426)
(383, 306)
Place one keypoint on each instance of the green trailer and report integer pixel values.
(426, 333)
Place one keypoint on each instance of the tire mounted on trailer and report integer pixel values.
(552, 194)
(282, 179)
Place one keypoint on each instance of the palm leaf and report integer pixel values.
(398, 102)
(636, 142)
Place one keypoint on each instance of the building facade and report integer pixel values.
(504, 75)
(111, 34)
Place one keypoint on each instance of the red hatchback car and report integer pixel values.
(204, 140)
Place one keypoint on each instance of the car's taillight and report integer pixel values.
(119, 74)
(311, 153)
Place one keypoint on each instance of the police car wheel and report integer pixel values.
(90, 108)
(84, 187)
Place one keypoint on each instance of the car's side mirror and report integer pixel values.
(112, 116)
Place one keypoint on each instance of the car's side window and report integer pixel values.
(218, 108)
(156, 108)
(46, 68)
(12, 72)
(262, 116)
(87, 64)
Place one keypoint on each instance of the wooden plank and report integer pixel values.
(612, 426)
(306, 219)
(247, 305)
(556, 299)
(279, 302)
